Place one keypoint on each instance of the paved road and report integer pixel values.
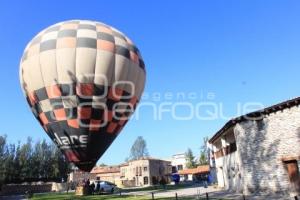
(184, 192)
(192, 192)
(195, 192)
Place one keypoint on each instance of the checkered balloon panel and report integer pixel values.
(82, 80)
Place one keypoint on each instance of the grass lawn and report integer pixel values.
(54, 196)
(91, 197)
(157, 188)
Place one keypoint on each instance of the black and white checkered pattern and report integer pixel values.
(86, 34)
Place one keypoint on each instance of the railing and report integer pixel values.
(219, 153)
(226, 150)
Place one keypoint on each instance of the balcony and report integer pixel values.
(219, 153)
(226, 150)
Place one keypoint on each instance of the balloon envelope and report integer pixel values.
(82, 80)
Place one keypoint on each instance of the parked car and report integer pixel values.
(105, 187)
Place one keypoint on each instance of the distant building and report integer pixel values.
(142, 172)
(199, 173)
(145, 172)
(260, 151)
(108, 173)
(78, 176)
(178, 162)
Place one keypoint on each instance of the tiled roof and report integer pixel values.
(257, 115)
(104, 170)
(148, 158)
(199, 170)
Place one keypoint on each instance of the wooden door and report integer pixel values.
(294, 175)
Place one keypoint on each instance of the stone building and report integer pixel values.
(260, 151)
(78, 176)
(108, 173)
(142, 172)
(145, 172)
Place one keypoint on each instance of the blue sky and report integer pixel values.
(241, 51)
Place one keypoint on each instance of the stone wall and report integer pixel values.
(228, 172)
(34, 188)
(262, 144)
(137, 170)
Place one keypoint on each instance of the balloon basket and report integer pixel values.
(81, 191)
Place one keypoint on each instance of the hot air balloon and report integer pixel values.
(82, 80)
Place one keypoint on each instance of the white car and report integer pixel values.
(105, 186)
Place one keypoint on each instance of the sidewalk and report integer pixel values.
(194, 192)
(234, 196)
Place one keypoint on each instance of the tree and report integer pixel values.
(60, 165)
(203, 158)
(31, 162)
(36, 160)
(16, 165)
(3, 157)
(138, 149)
(25, 159)
(8, 167)
(190, 159)
(102, 165)
(204, 152)
(2, 145)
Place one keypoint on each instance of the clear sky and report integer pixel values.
(240, 51)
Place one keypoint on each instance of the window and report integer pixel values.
(179, 167)
(154, 180)
(260, 125)
(232, 147)
(174, 170)
(146, 180)
(219, 153)
(145, 169)
(186, 177)
(293, 173)
(140, 171)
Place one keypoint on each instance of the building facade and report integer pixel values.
(178, 162)
(199, 173)
(108, 173)
(136, 173)
(145, 172)
(78, 176)
(260, 151)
